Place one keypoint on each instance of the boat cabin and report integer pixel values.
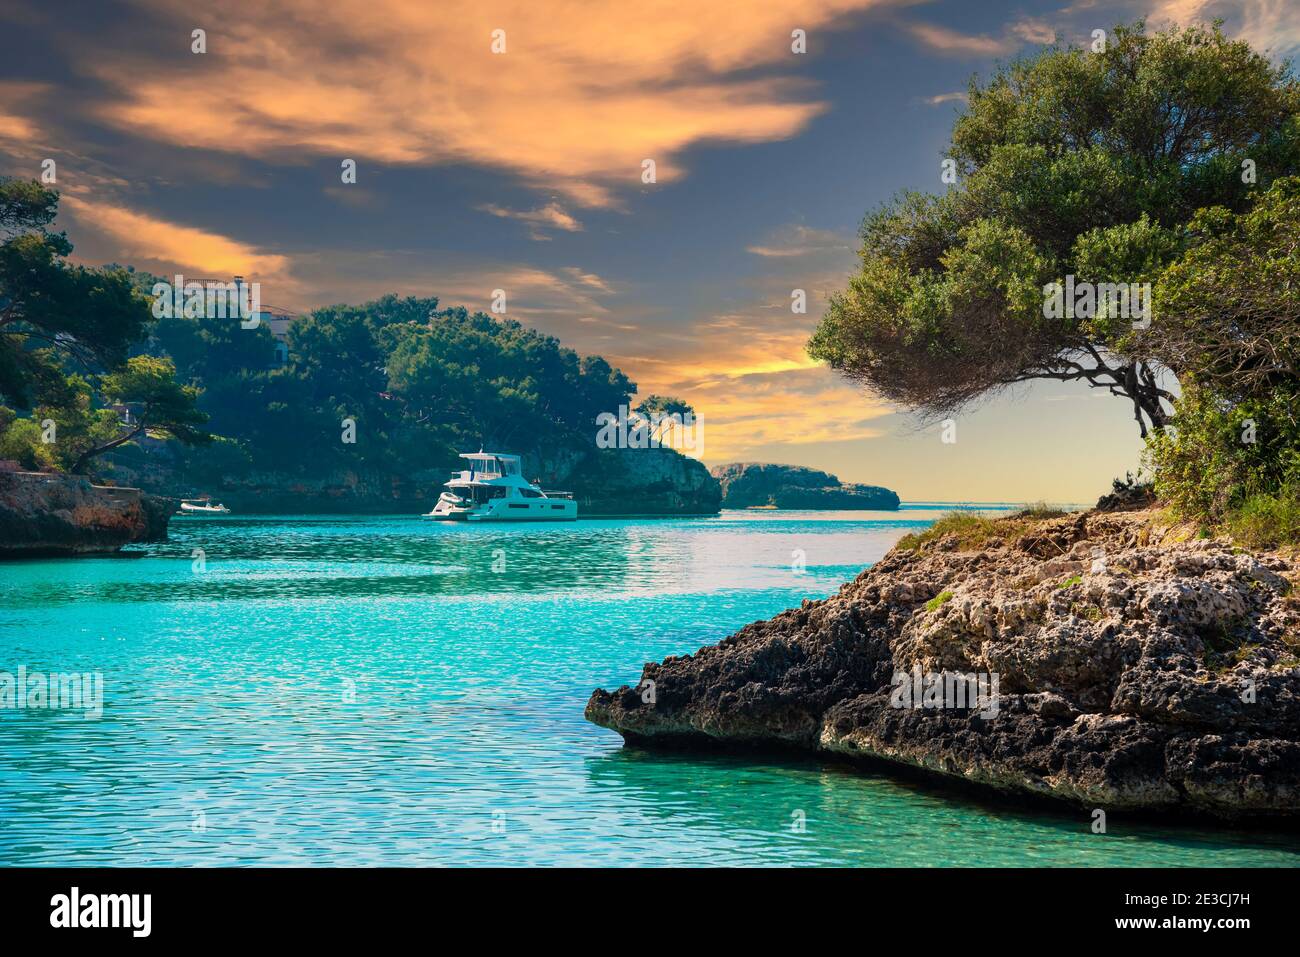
(489, 465)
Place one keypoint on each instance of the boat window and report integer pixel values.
(530, 493)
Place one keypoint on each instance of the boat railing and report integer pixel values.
(465, 475)
(550, 493)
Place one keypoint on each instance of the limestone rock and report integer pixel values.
(48, 514)
(1134, 670)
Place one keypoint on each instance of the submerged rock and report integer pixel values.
(48, 514)
(762, 485)
(1132, 670)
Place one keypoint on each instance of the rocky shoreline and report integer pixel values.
(58, 515)
(1135, 667)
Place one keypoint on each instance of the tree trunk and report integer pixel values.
(89, 454)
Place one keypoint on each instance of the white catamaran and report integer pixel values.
(493, 490)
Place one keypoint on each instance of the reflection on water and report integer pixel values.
(370, 691)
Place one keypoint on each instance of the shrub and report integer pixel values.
(20, 440)
(1265, 521)
(1222, 453)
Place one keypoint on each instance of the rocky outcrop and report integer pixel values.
(46, 514)
(655, 481)
(1131, 669)
(761, 485)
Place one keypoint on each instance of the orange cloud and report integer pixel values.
(1266, 24)
(156, 243)
(16, 128)
(800, 241)
(550, 216)
(747, 371)
(945, 40)
(745, 410)
(565, 302)
(18, 131)
(581, 96)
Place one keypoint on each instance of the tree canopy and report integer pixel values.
(52, 313)
(1071, 165)
(420, 382)
(66, 337)
(159, 406)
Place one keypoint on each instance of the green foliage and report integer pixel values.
(971, 531)
(1071, 163)
(206, 466)
(1266, 521)
(25, 205)
(1222, 453)
(66, 329)
(421, 383)
(938, 600)
(1228, 309)
(1038, 511)
(160, 407)
(147, 386)
(52, 312)
(1158, 122)
(663, 405)
(1089, 611)
(669, 410)
(20, 441)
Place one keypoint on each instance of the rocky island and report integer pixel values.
(1135, 666)
(763, 485)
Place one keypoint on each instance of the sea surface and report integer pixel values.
(303, 690)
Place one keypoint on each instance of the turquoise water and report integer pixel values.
(359, 690)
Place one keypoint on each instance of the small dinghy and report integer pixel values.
(201, 506)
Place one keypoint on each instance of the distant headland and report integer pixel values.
(764, 485)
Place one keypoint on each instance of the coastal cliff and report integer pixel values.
(50, 514)
(655, 481)
(763, 485)
(651, 481)
(1134, 668)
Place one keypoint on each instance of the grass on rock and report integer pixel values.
(975, 531)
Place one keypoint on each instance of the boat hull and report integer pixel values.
(509, 510)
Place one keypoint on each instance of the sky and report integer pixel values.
(524, 170)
